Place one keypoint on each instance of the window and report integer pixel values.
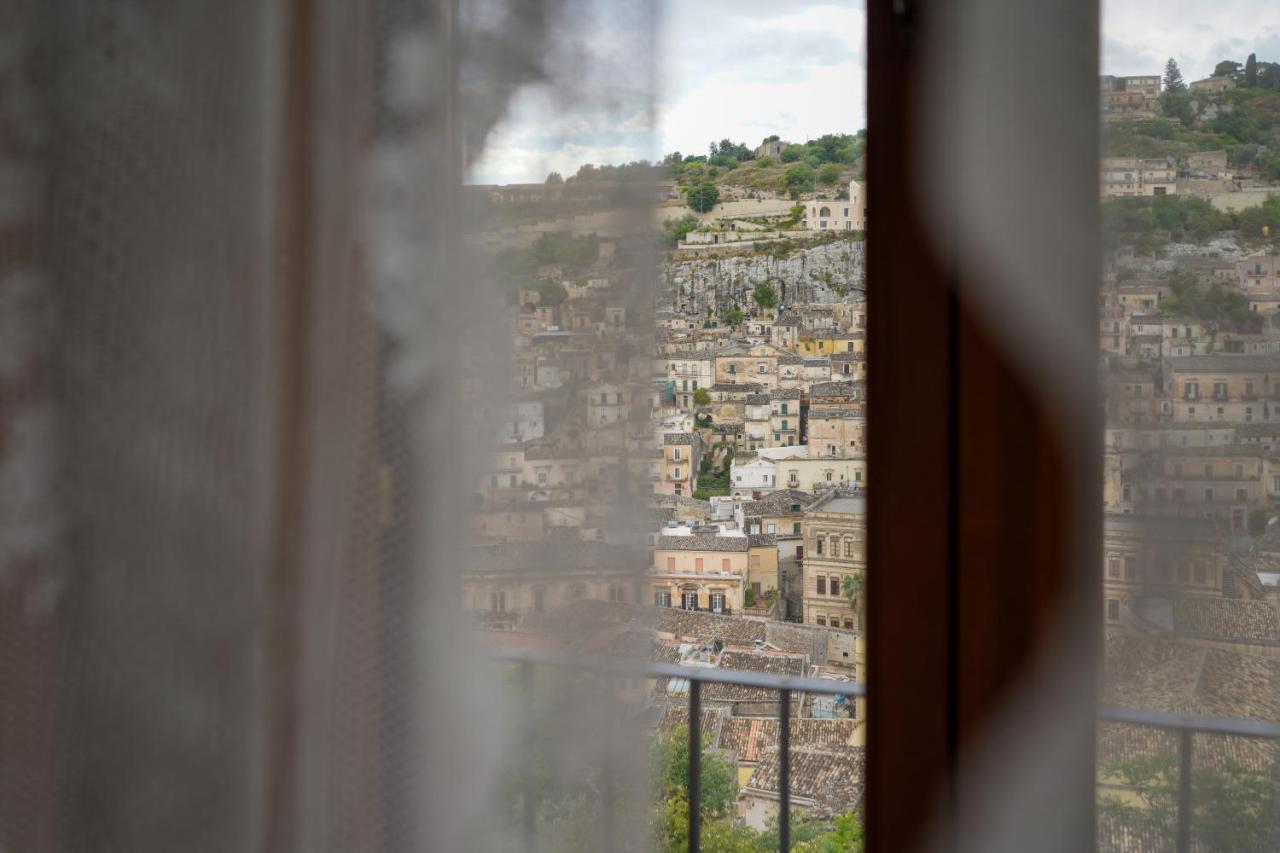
(1208, 494)
(817, 546)
(1113, 567)
(822, 585)
(724, 565)
(498, 601)
(821, 620)
(717, 602)
(1113, 610)
(833, 585)
(689, 600)
(1130, 567)
(662, 598)
(671, 564)
(697, 564)
(1191, 390)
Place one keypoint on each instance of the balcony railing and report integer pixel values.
(1184, 724)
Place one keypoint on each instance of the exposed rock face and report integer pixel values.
(827, 272)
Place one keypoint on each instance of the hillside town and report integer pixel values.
(724, 410)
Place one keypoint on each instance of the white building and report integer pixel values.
(525, 422)
(757, 475)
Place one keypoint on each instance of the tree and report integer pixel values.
(677, 229)
(791, 154)
(1227, 68)
(1251, 71)
(669, 762)
(703, 197)
(799, 177)
(1236, 808)
(733, 317)
(829, 174)
(765, 296)
(702, 397)
(771, 138)
(764, 162)
(550, 293)
(1175, 101)
(852, 588)
(555, 178)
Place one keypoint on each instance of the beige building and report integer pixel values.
(838, 214)
(1130, 98)
(756, 364)
(681, 453)
(834, 531)
(1259, 274)
(709, 567)
(1231, 388)
(1148, 560)
(500, 581)
(837, 431)
(1133, 176)
(1223, 483)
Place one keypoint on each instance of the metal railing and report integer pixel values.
(786, 685)
(1186, 725)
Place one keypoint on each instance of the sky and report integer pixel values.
(745, 69)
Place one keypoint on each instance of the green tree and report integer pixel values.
(1251, 71)
(799, 177)
(1173, 77)
(852, 588)
(765, 296)
(773, 137)
(702, 397)
(550, 293)
(791, 154)
(733, 317)
(703, 197)
(669, 763)
(555, 178)
(677, 229)
(1227, 68)
(829, 174)
(1236, 808)
(764, 162)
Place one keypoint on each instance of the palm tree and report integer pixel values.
(852, 588)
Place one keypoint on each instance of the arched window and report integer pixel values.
(824, 212)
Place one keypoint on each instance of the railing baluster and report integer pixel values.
(1184, 791)
(784, 770)
(528, 811)
(695, 766)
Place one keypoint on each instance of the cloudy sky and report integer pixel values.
(749, 68)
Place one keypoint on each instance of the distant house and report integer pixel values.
(770, 149)
(1128, 98)
(1136, 176)
(839, 214)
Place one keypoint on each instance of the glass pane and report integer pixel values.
(1191, 356)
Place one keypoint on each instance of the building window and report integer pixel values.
(1130, 568)
(1113, 567)
(662, 598)
(821, 620)
(1208, 495)
(1113, 610)
(697, 564)
(498, 602)
(724, 565)
(848, 625)
(1191, 390)
(822, 585)
(671, 564)
(834, 585)
(717, 602)
(817, 546)
(689, 600)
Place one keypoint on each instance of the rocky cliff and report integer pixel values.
(825, 272)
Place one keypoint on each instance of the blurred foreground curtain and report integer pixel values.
(189, 431)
